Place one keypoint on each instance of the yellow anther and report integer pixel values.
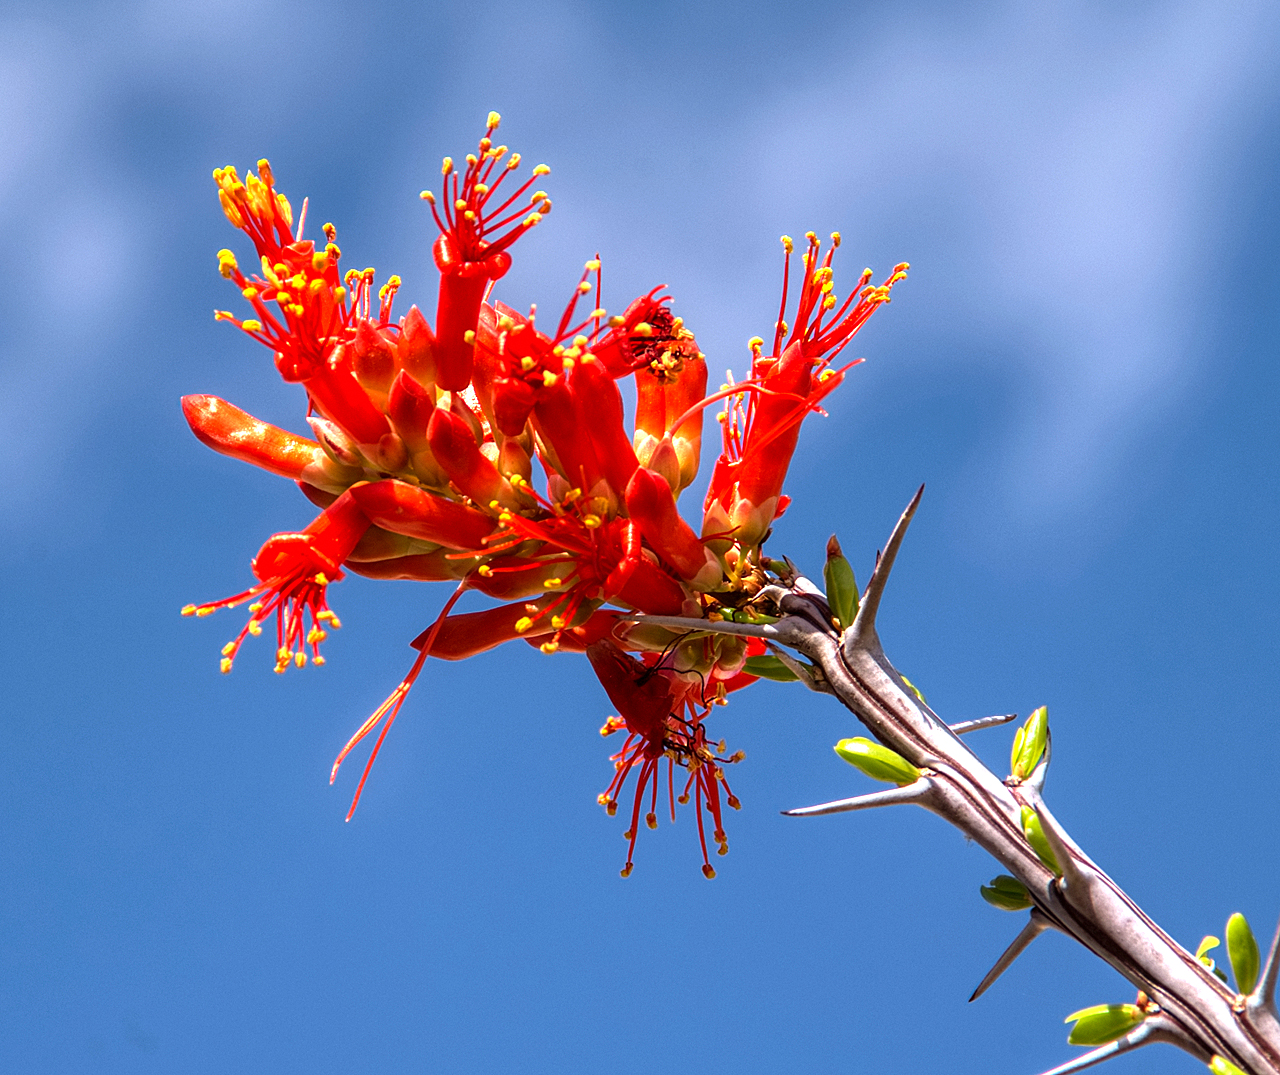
(188, 610)
(617, 321)
(317, 660)
(469, 336)
(549, 647)
(300, 659)
(572, 495)
(332, 250)
(787, 244)
(599, 313)
(446, 166)
(339, 294)
(523, 624)
(531, 220)
(593, 265)
(428, 197)
(642, 329)
(504, 517)
(469, 215)
(505, 323)
(755, 343)
(472, 160)
(584, 287)
(316, 635)
(460, 204)
(829, 302)
(825, 376)
(549, 379)
(812, 237)
(282, 654)
(255, 628)
(493, 121)
(542, 169)
(251, 325)
(835, 238)
(330, 232)
(551, 584)
(485, 144)
(228, 649)
(514, 162)
(224, 665)
(569, 362)
(286, 210)
(316, 286)
(482, 188)
(591, 521)
(249, 293)
(721, 416)
(484, 571)
(527, 363)
(558, 622)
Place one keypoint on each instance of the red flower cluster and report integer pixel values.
(423, 459)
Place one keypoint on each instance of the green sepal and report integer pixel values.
(1103, 1023)
(1220, 1065)
(1242, 950)
(1034, 832)
(1029, 743)
(842, 587)
(878, 762)
(1007, 893)
(769, 667)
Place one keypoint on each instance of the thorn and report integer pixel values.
(909, 793)
(711, 627)
(966, 726)
(803, 671)
(1264, 993)
(863, 629)
(1137, 1037)
(1035, 926)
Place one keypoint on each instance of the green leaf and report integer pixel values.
(1207, 944)
(1242, 950)
(914, 689)
(769, 667)
(1103, 1023)
(1034, 832)
(1007, 893)
(878, 762)
(1220, 1065)
(842, 587)
(1029, 743)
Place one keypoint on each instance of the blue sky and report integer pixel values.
(1082, 368)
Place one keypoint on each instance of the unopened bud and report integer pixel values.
(1242, 950)
(1103, 1023)
(1007, 893)
(842, 587)
(1029, 743)
(1034, 832)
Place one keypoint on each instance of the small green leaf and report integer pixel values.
(1220, 1065)
(878, 762)
(842, 587)
(914, 689)
(1242, 950)
(1103, 1023)
(1029, 743)
(1007, 893)
(1207, 944)
(769, 667)
(1034, 832)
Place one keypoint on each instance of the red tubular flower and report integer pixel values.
(663, 718)
(471, 252)
(744, 496)
(231, 431)
(294, 571)
(651, 505)
(671, 379)
(406, 509)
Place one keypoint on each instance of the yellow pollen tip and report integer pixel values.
(484, 571)
(651, 820)
(300, 659)
(755, 342)
(317, 660)
(531, 220)
(446, 166)
(708, 872)
(482, 188)
(523, 624)
(493, 121)
(542, 169)
(224, 665)
(251, 325)
(255, 628)
(626, 870)
(549, 379)
(228, 649)
(592, 266)
(549, 647)
(598, 313)
(188, 610)
(428, 197)
(551, 584)
(642, 329)
(787, 244)
(469, 336)
(527, 363)
(203, 611)
(591, 521)
(617, 321)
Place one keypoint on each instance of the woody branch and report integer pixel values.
(1186, 1004)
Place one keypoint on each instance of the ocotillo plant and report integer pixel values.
(426, 436)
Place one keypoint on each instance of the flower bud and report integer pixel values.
(1103, 1023)
(842, 587)
(1034, 832)
(878, 762)
(1029, 744)
(1242, 950)
(1007, 893)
